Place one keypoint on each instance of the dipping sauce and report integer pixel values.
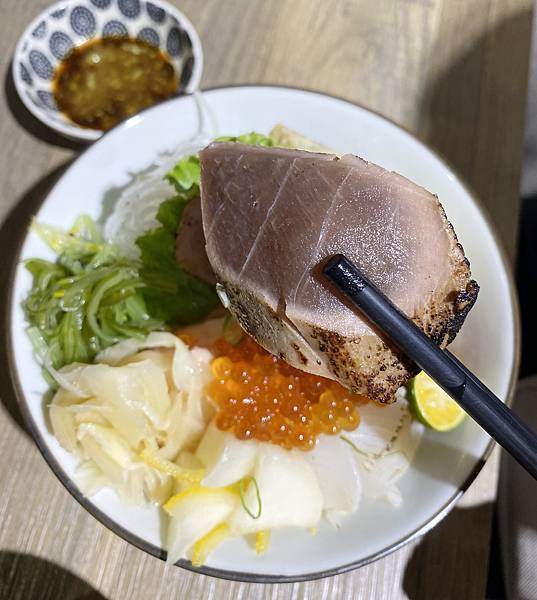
(106, 80)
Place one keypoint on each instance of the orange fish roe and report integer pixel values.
(259, 396)
(187, 338)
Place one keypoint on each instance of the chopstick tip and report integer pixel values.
(332, 264)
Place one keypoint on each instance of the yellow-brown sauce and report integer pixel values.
(106, 80)
(259, 396)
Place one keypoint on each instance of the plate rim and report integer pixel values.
(242, 576)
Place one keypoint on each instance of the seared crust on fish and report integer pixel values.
(271, 215)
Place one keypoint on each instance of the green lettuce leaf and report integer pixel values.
(253, 138)
(185, 176)
(171, 293)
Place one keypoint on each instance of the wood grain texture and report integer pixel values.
(452, 71)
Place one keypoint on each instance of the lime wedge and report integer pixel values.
(432, 406)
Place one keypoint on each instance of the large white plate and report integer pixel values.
(445, 463)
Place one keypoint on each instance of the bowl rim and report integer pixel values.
(72, 130)
(242, 576)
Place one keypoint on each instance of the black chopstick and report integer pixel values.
(446, 370)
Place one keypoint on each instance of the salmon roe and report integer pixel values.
(259, 396)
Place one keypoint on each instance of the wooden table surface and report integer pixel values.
(452, 71)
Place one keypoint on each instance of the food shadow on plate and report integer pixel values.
(163, 161)
(23, 576)
(32, 125)
(12, 231)
(113, 194)
(163, 526)
(445, 464)
(449, 549)
(45, 404)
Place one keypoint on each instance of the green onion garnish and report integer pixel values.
(243, 487)
(87, 300)
(231, 330)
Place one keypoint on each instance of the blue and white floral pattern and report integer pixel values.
(83, 21)
(129, 8)
(186, 73)
(156, 13)
(60, 44)
(40, 31)
(101, 3)
(149, 35)
(115, 28)
(47, 99)
(58, 14)
(24, 74)
(173, 42)
(41, 65)
(70, 23)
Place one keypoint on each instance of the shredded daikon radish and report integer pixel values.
(136, 208)
(145, 427)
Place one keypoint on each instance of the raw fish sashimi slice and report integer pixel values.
(271, 215)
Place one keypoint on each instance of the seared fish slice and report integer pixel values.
(190, 243)
(270, 216)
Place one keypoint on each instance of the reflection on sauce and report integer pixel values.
(107, 80)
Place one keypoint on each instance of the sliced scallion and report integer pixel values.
(243, 488)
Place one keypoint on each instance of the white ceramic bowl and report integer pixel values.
(445, 464)
(70, 23)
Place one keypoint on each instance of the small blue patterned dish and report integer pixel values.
(70, 23)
